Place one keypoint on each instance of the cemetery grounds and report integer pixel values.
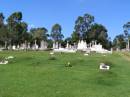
(39, 74)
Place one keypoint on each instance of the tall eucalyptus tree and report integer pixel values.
(126, 28)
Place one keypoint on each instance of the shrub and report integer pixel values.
(106, 62)
(68, 65)
(52, 58)
(2, 59)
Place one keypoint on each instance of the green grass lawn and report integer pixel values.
(33, 74)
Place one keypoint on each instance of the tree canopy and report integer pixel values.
(56, 32)
(86, 29)
(16, 32)
(83, 24)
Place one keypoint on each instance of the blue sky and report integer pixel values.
(44, 13)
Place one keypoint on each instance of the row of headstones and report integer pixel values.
(57, 45)
(25, 46)
(43, 46)
(92, 43)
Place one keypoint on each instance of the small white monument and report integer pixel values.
(55, 45)
(51, 53)
(82, 45)
(4, 62)
(92, 46)
(67, 46)
(86, 54)
(14, 47)
(43, 45)
(104, 67)
(9, 57)
(65, 50)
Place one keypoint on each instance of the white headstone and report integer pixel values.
(67, 46)
(104, 67)
(43, 45)
(4, 62)
(57, 45)
(28, 46)
(82, 45)
(14, 47)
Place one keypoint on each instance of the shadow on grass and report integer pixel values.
(35, 64)
(106, 78)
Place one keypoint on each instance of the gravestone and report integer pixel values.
(82, 45)
(14, 47)
(4, 62)
(43, 45)
(104, 67)
(57, 45)
(28, 46)
(36, 46)
(54, 45)
(67, 46)
(86, 54)
(18, 46)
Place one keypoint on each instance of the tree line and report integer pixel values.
(15, 32)
(122, 41)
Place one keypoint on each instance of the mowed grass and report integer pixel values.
(33, 74)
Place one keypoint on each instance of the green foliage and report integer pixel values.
(39, 33)
(2, 59)
(3, 31)
(119, 42)
(126, 28)
(75, 37)
(15, 32)
(83, 24)
(106, 62)
(4, 34)
(17, 28)
(56, 32)
(1, 19)
(68, 64)
(99, 33)
(50, 43)
(86, 29)
(52, 57)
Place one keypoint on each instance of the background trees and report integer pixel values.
(126, 32)
(82, 25)
(16, 32)
(1, 19)
(3, 31)
(56, 33)
(119, 42)
(39, 34)
(17, 28)
(86, 29)
(75, 37)
(99, 33)
(122, 41)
